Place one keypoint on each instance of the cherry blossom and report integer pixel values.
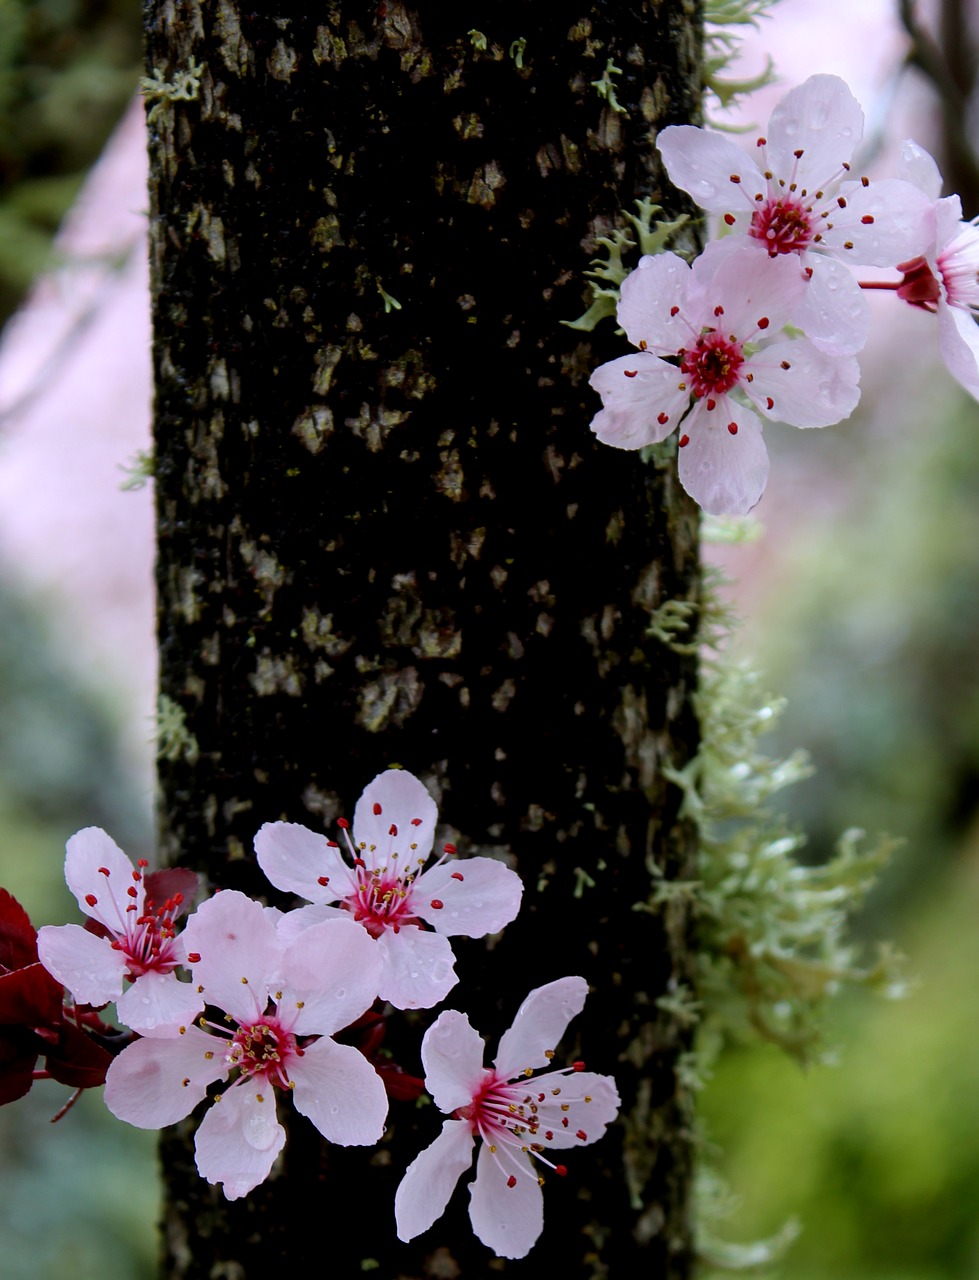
(800, 198)
(714, 318)
(129, 936)
(274, 997)
(386, 889)
(515, 1113)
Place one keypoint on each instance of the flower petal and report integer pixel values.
(419, 967)
(477, 896)
(919, 167)
(145, 1084)
(240, 1138)
(807, 387)
(507, 1219)
(652, 304)
(293, 923)
(958, 341)
(297, 860)
(643, 401)
(822, 119)
(239, 952)
(330, 975)
(884, 223)
(724, 473)
(158, 1000)
(340, 1092)
(399, 800)
(87, 965)
(540, 1023)
(431, 1178)
(833, 311)
(745, 286)
(452, 1055)
(87, 853)
(702, 162)
(592, 1101)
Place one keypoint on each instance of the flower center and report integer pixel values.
(380, 901)
(712, 365)
(782, 225)
(958, 264)
(263, 1049)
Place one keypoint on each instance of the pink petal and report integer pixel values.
(507, 1219)
(748, 285)
(648, 297)
(239, 952)
(340, 1092)
(540, 1023)
(635, 404)
(958, 341)
(823, 119)
(591, 1118)
(885, 223)
(431, 1178)
(292, 923)
(330, 976)
(158, 1000)
(419, 967)
(452, 1055)
(701, 163)
(296, 859)
(240, 1138)
(816, 390)
(403, 802)
(724, 473)
(477, 896)
(919, 167)
(834, 311)
(86, 852)
(88, 966)
(145, 1084)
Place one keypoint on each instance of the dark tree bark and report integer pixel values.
(387, 535)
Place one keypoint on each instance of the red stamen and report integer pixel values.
(377, 809)
(577, 1066)
(730, 219)
(323, 880)
(511, 1181)
(450, 848)
(763, 322)
(342, 823)
(457, 875)
(437, 904)
(91, 899)
(733, 428)
(630, 373)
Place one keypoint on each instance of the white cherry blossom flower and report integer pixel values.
(133, 941)
(800, 198)
(713, 319)
(387, 890)
(283, 1004)
(517, 1115)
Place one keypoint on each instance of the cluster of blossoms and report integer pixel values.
(269, 991)
(713, 355)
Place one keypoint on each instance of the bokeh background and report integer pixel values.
(860, 604)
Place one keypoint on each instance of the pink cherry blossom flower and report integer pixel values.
(800, 199)
(516, 1114)
(131, 938)
(275, 998)
(386, 889)
(713, 318)
(944, 276)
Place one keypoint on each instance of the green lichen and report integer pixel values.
(605, 87)
(174, 741)
(721, 48)
(184, 87)
(139, 471)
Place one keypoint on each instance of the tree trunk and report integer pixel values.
(387, 535)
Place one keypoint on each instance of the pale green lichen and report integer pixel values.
(721, 48)
(605, 87)
(139, 471)
(184, 87)
(516, 51)
(174, 741)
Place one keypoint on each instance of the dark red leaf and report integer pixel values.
(30, 997)
(399, 1084)
(78, 1060)
(161, 885)
(18, 1057)
(18, 937)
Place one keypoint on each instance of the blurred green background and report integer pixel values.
(862, 606)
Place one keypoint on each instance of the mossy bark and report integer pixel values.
(386, 535)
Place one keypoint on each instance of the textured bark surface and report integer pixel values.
(387, 536)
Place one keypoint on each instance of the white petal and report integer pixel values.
(158, 1000)
(295, 859)
(507, 1219)
(747, 286)
(88, 966)
(637, 391)
(431, 1177)
(419, 967)
(452, 1055)
(649, 294)
(919, 167)
(403, 802)
(239, 952)
(145, 1084)
(591, 1118)
(240, 1138)
(292, 923)
(834, 311)
(821, 118)
(816, 390)
(724, 473)
(340, 1092)
(958, 341)
(478, 896)
(86, 852)
(540, 1023)
(330, 976)
(701, 163)
(885, 223)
